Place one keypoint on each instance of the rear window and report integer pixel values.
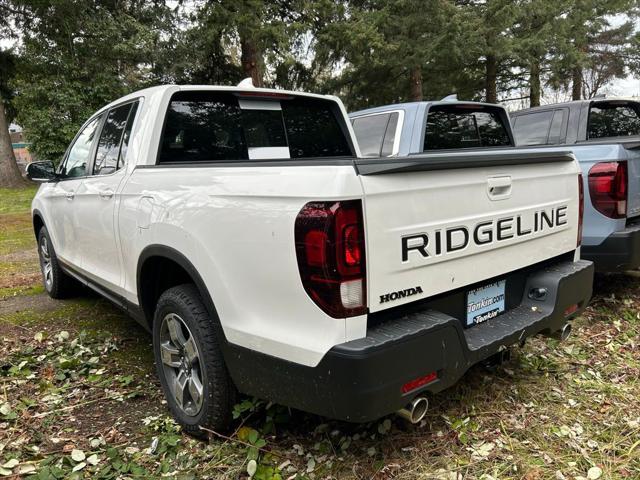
(613, 120)
(219, 126)
(455, 126)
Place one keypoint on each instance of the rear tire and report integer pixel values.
(56, 282)
(189, 362)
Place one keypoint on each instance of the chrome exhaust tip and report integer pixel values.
(563, 333)
(415, 411)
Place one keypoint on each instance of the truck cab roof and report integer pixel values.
(417, 105)
(577, 103)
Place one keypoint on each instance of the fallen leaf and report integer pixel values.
(11, 463)
(77, 455)
(252, 466)
(594, 473)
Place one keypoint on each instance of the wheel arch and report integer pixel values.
(155, 264)
(38, 222)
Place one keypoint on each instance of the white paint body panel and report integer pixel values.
(402, 204)
(235, 224)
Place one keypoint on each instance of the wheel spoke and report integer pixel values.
(181, 364)
(175, 331)
(195, 390)
(191, 351)
(179, 385)
(170, 355)
(45, 248)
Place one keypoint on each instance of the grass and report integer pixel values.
(18, 265)
(78, 392)
(16, 200)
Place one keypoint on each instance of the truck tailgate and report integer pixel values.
(435, 223)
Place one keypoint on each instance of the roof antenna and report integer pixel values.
(246, 83)
(450, 98)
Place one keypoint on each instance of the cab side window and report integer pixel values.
(376, 133)
(75, 165)
(532, 128)
(556, 135)
(111, 140)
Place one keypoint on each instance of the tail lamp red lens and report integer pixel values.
(608, 188)
(331, 256)
(580, 208)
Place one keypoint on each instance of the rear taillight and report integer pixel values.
(608, 188)
(580, 208)
(331, 256)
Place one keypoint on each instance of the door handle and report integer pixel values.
(499, 188)
(106, 194)
(69, 195)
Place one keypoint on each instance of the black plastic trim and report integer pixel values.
(445, 161)
(619, 252)
(174, 255)
(34, 214)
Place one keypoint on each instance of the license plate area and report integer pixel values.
(485, 302)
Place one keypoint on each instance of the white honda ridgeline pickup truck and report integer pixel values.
(241, 227)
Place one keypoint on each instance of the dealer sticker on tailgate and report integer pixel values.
(485, 303)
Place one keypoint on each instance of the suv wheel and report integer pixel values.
(57, 283)
(189, 362)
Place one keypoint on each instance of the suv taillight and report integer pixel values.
(580, 208)
(608, 188)
(330, 249)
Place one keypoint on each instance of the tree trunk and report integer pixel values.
(251, 61)
(576, 87)
(415, 89)
(534, 84)
(9, 172)
(490, 79)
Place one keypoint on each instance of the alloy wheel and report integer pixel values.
(45, 262)
(182, 364)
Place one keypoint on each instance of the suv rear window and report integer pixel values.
(613, 120)
(465, 126)
(216, 126)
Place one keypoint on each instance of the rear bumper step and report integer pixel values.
(619, 252)
(362, 380)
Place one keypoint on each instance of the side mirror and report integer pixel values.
(41, 172)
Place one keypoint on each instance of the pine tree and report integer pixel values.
(589, 42)
(76, 56)
(387, 51)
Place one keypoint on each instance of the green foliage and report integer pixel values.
(76, 56)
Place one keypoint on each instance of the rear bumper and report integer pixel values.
(619, 252)
(361, 380)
